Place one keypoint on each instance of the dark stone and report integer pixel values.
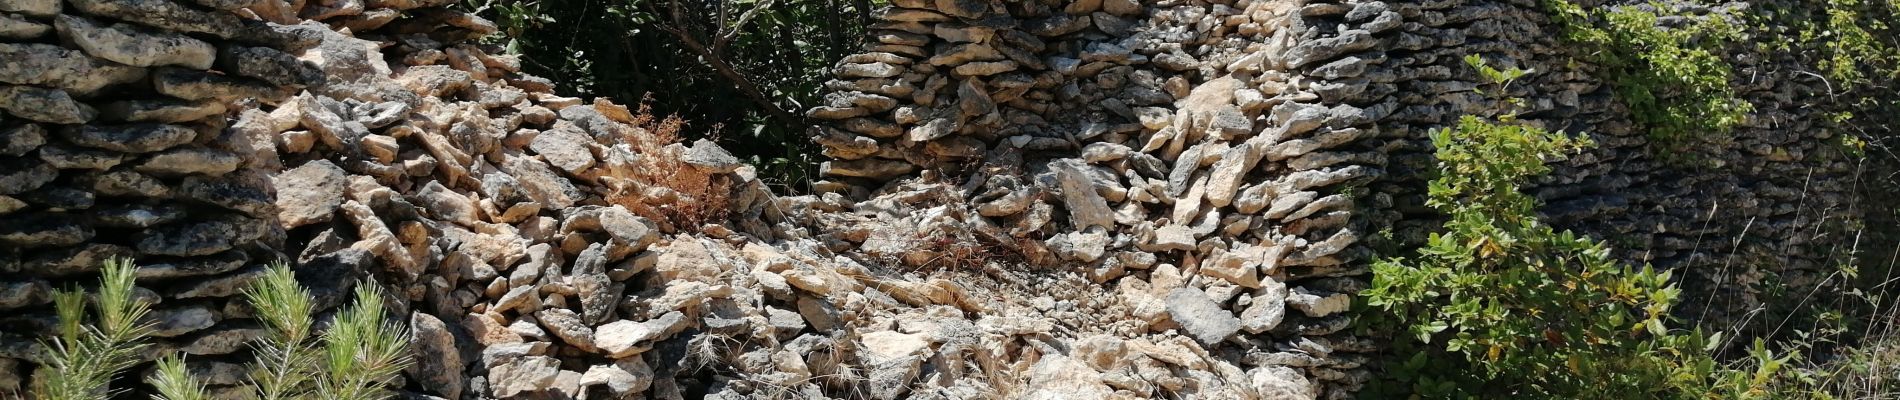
(59, 198)
(75, 260)
(165, 14)
(195, 266)
(231, 193)
(19, 140)
(43, 230)
(199, 85)
(44, 105)
(269, 65)
(20, 175)
(203, 237)
(126, 183)
(68, 157)
(137, 215)
(131, 138)
(331, 277)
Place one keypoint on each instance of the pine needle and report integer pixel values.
(285, 359)
(86, 357)
(174, 381)
(364, 350)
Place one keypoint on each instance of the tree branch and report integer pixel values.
(739, 80)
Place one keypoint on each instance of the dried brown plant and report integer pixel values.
(661, 186)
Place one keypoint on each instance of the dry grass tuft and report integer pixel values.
(661, 186)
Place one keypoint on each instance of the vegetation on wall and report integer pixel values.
(1529, 310)
(1497, 304)
(357, 358)
(1673, 79)
(742, 71)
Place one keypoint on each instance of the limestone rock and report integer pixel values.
(565, 149)
(1086, 207)
(132, 45)
(1061, 377)
(44, 105)
(527, 374)
(1203, 319)
(706, 155)
(38, 8)
(1268, 308)
(309, 193)
(438, 362)
(541, 183)
(621, 339)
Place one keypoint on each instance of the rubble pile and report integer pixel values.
(1227, 208)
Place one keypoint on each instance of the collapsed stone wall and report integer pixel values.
(361, 142)
(1206, 166)
(1280, 142)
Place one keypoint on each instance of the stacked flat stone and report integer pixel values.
(940, 83)
(1230, 197)
(112, 144)
(1293, 131)
(1755, 219)
(1209, 172)
(1736, 214)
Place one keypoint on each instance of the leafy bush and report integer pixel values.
(1500, 304)
(356, 359)
(1673, 79)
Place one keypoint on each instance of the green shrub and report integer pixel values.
(1674, 80)
(357, 358)
(1499, 304)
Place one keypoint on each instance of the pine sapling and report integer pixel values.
(286, 362)
(173, 381)
(364, 351)
(84, 358)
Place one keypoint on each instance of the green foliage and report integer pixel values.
(174, 382)
(365, 351)
(285, 354)
(360, 356)
(1497, 304)
(1853, 38)
(87, 356)
(633, 50)
(361, 353)
(1674, 80)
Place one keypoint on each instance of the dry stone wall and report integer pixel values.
(1251, 154)
(113, 144)
(361, 142)
(1211, 161)
(1035, 199)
